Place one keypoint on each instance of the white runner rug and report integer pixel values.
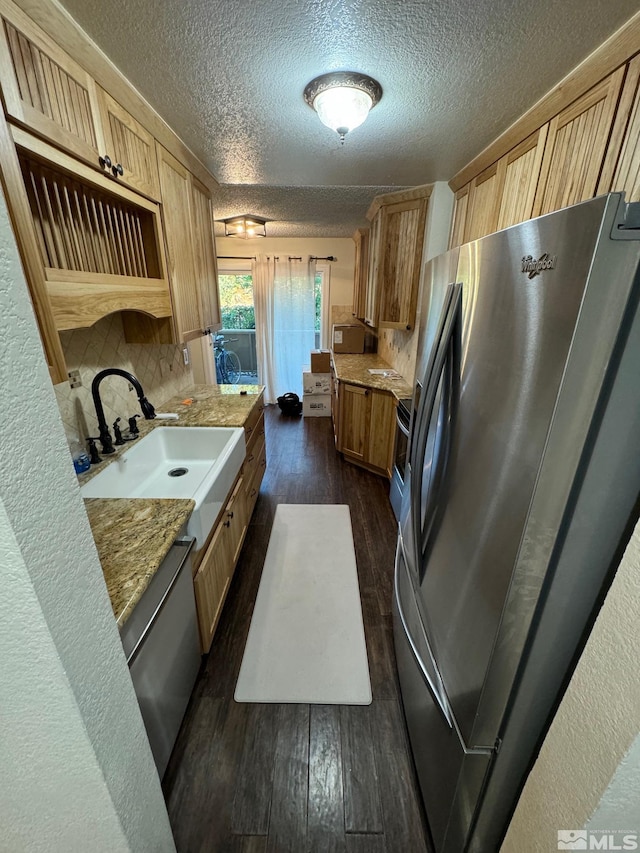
(306, 641)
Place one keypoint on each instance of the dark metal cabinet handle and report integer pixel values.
(117, 170)
(105, 161)
(230, 514)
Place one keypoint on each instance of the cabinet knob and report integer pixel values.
(226, 523)
(230, 514)
(105, 161)
(117, 170)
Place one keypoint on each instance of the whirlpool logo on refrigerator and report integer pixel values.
(534, 267)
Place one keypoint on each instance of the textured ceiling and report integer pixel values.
(229, 77)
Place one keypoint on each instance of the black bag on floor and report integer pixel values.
(290, 404)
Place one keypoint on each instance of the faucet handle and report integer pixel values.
(133, 426)
(94, 456)
(117, 432)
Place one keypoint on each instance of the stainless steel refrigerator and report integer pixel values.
(520, 493)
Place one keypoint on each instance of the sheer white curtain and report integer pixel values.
(263, 274)
(285, 322)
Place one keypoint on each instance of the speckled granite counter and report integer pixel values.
(355, 370)
(133, 536)
(213, 405)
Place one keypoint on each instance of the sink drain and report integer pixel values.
(178, 472)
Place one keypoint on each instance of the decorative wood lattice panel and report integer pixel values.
(49, 89)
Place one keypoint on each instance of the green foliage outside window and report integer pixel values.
(236, 301)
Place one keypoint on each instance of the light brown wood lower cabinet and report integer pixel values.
(216, 569)
(367, 427)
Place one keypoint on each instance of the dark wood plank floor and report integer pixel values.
(252, 778)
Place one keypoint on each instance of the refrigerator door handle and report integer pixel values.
(447, 356)
(436, 695)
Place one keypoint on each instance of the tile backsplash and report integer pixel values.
(160, 370)
(399, 349)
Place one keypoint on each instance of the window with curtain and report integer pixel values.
(294, 322)
(285, 305)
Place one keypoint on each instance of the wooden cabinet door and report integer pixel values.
(576, 146)
(235, 520)
(521, 170)
(130, 145)
(459, 222)
(175, 185)
(45, 90)
(335, 411)
(381, 430)
(361, 239)
(354, 421)
(621, 171)
(400, 265)
(211, 582)
(206, 265)
(373, 271)
(484, 200)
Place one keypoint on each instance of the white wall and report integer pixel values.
(397, 347)
(343, 248)
(77, 770)
(587, 770)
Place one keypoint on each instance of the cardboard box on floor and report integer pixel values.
(316, 383)
(349, 338)
(316, 406)
(320, 361)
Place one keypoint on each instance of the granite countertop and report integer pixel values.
(213, 405)
(354, 369)
(133, 536)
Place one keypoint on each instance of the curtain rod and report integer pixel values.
(276, 257)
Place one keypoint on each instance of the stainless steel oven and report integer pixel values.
(403, 418)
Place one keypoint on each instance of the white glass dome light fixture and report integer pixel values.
(343, 99)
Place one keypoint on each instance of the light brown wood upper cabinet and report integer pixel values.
(193, 272)
(576, 146)
(130, 146)
(396, 239)
(361, 240)
(373, 271)
(459, 221)
(175, 184)
(484, 202)
(205, 262)
(621, 171)
(45, 90)
(520, 169)
(402, 242)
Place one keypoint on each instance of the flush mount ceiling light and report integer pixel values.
(343, 99)
(245, 226)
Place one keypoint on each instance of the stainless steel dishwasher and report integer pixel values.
(162, 646)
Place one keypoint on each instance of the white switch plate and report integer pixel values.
(185, 355)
